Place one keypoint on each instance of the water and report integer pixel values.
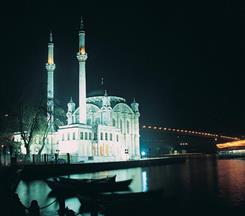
(197, 182)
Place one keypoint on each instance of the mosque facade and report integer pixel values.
(101, 126)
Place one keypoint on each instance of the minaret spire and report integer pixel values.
(81, 24)
(50, 37)
(82, 57)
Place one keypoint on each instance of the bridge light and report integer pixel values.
(160, 128)
(143, 126)
(164, 128)
(149, 127)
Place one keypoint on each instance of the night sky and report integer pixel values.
(184, 62)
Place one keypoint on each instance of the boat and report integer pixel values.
(86, 180)
(88, 187)
(108, 202)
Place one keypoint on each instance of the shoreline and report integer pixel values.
(41, 171)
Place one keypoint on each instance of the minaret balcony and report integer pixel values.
(50, 66)
(81, 57)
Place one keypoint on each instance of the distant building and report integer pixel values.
(102, 126)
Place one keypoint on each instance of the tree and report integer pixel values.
(28, 119)
(35, 121)
(7, 129)
(45, 124)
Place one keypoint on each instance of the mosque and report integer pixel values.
(101, 127)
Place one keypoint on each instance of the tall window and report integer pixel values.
(110, 136)
(121, 125)
(86, 135)
(113, 122)
(95, 136)
(101, 136)
(68, 136)
(128, 127)
(117, 138)
(106, 136)
(74, 136)
(81, 135)
(90, 136)
(63, 137)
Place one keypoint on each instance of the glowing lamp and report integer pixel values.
(82, 51)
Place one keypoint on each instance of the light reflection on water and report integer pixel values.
(193, 181)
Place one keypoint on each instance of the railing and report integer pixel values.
(7, 159)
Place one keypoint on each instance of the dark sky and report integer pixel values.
(183, 61)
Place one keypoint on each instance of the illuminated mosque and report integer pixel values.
(101, 127)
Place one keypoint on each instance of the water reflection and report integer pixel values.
(194, 182)
(231, 180)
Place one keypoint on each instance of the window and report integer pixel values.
(111, 136)
(128, 127)
(63, 137)
(117, 138)
(101, 136)
(74, 136)
(68, 136)
(86, 135)
(81, 135)
(90, 136)
(114, 123)
(95, 136)
(121, 124)
(106, 136)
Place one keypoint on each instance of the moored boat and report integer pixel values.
(88, 186)
(86, 180)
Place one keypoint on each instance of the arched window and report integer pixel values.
(86, 135)
(106, 136)
(74, 136)
(114, 123)
(121, 124)
(101, 136)
(68, 136)
(81, 135)
(128, 127)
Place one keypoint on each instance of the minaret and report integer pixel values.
(82, 57)
(50, 66)
(71, 108)
(136, 135)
